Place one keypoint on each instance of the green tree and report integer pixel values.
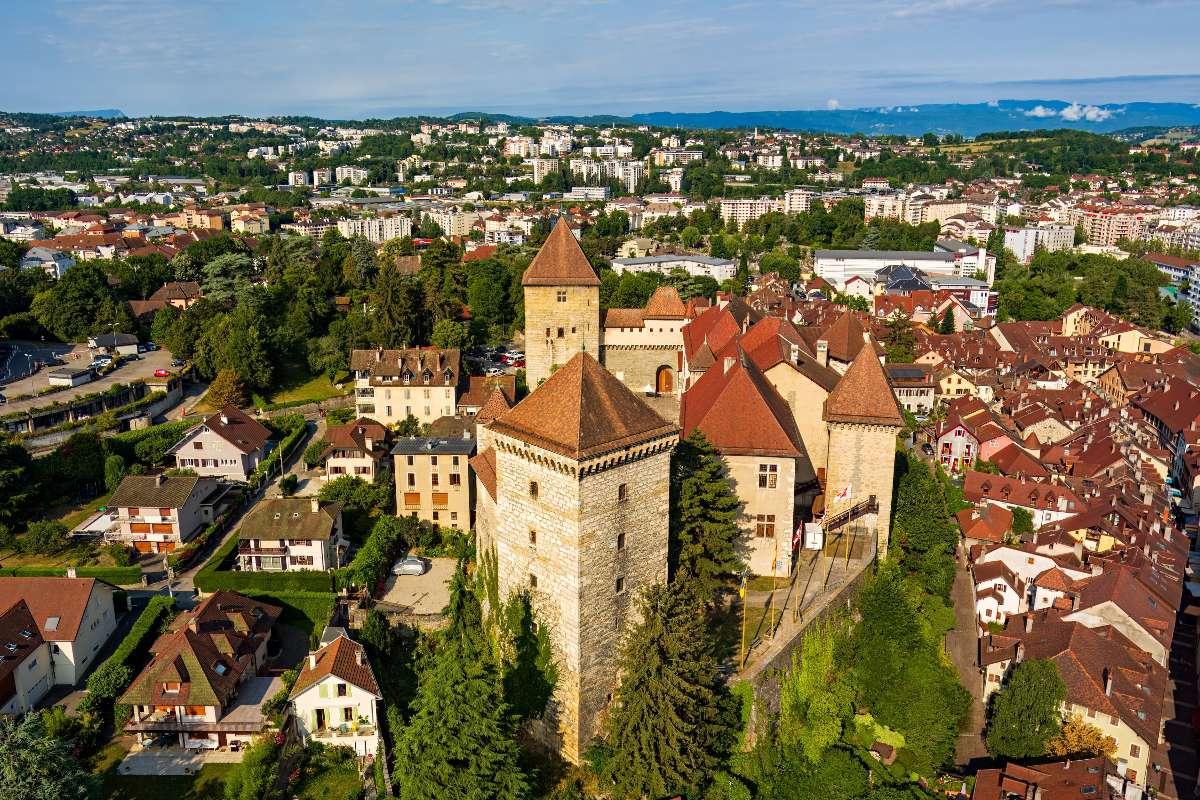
(1177, 317)
(397, 315)
(459, 743)
(946, 326)
(254, 776)
(45, 537)
(15, 483)
(73, 307)
(226, 389)
(527, 660)
(114, 471)
(815, 699)
(1026, 712)
(36, 766)
(704, 512)
(448, 333)
(672, 721)
(226, 276)
(690, 236)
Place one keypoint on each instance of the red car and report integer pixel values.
(162, 373)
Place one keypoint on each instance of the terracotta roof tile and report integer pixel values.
(65, 598)
(484, 465)
(863, 394)
(582, 410)
(665, 304)
(341, 658)
(560, 262)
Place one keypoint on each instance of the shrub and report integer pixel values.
(121, 554)
(312, 453)
(44, 537)
(114, 471)
(389, 536)
(287, 484)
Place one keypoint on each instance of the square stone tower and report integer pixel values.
(562, 306)
(575, 499)
(863, 419)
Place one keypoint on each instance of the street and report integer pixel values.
(962, 643)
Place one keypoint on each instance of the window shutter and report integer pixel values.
(323, 690)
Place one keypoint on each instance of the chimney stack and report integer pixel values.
(1028, 622)
(224, 418)
(1108, 682)
(729, 362)
(71, 573)
(358, 655)
(823, 352)
(160, 479)
(1074, 601)
(315, 504)
(193, 624)
(370, 440)
(312, 661)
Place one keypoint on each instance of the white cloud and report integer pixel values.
(1041, 111)
(1076, 112)
(832, 104)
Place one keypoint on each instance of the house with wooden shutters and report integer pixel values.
(336, 698)
(159, 513)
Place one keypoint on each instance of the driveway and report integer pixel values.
(421, 594)
(128, 372)
(962, 645)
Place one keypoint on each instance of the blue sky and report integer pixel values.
(359, 58)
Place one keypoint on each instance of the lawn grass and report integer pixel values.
(207, 784)
(329, 774)
(868, 731)
(72, 514)
(293, 383)
(744, 692)
(735, 639)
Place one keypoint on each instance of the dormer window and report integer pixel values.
(170, 687)
(220, 668)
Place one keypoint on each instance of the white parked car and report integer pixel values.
(410, 565)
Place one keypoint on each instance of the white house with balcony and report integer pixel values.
(160, 513)
(335, 699)
(288, 534)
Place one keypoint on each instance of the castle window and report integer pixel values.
(572, 329)
(533, 490)
(620, 541)
(532, 581)
(433, 460)
(768, 476)
(620, 585)
(547, 333)
(561, 333)
(533, 537)
(764, 526)
(561, 295)
(623, 492)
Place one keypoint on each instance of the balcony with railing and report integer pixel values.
(345, 731)
(246, 549)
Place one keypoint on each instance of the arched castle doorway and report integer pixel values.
(664, 381)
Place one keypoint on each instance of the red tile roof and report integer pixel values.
(581, 411)
(64, 598)
(863, 395)
(560, 262)
(341, 658)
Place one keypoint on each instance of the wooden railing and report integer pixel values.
(835, 521)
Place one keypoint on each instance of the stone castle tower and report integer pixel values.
(863, 420)
(574, 499)
(562, 306)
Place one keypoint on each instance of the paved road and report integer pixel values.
(962, 643)
(126, 373)
(18, 359)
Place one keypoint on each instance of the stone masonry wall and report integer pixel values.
(578, 317)
(864, 457)
(575, 561)
(637, 367)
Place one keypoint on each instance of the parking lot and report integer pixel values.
(143, 367)
(20, 359)
(498, 361)
(421, 594)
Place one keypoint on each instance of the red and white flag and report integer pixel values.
(844, 494)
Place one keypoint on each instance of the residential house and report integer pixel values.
(999, 592)
(479, 391)
(987, 524)
(159, 513)
(53, 262)
(357, 448)
(914, 387)
(391, 385)
(1110, 681)
(204, 685)
(25, 674)
(74, 616)
(289, 534)
(336, 699)
(1045, 502)
(433, 479)
(1093, 778)
(228, 444)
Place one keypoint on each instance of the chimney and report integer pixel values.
(224, 418)
(312, 661)
(370, 440)
(823, 352)
(1028, 622)
(1074, 601)
(315, 504)
(71, 573)
(1107, 682)
(358, 655)
(795, 353)
(1020, 656)
(160, 479)
(729, 362)
(193, 624)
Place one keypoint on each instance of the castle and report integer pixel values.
(573, 481)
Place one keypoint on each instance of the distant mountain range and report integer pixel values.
(968, 119)
(100, 113)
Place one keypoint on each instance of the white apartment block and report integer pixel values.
(743, 210)
(676, 158)
(542, 167)
(356, 175)
(1105, 225)
(587, 193)
(694, 264)
(628, 173)
(452, 221)
(376, 229)
(298, 178)
(888, 206)
(798, 201)
(1024, 242)
(322, 176)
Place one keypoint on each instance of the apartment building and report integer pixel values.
(391, 385)
(743, 210)
(1024, 242)
(696, 264)
(1106, 225)
(357, 449)
(433, 479)
(376, 229)
(356, 175)
(289, 534)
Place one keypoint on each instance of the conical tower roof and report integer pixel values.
(581, 411)
(560, 262)
(863, 395)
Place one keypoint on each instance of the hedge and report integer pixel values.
(135, 645)
(119, 576)
(123, 444)
(285, 445)
(216, 575)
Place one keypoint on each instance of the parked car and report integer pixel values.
(162, 373)
(101, 361)
(3, 399)
(151, 346)
(927, 449)
(492, 372)
(410, 565)
(518, 364)
(176, 362)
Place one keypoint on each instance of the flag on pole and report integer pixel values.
(742, 587)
